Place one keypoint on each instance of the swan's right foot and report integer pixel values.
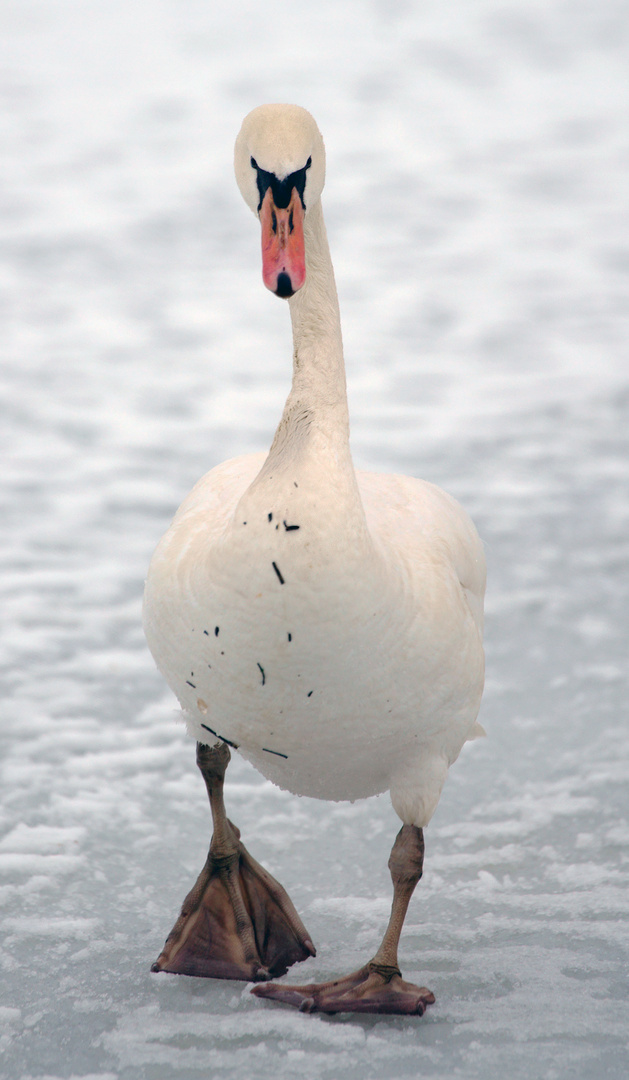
(236, 923)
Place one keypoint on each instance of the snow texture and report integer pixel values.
(476, 205)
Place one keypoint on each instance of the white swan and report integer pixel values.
(326, 622)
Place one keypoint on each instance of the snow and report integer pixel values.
(476, 206)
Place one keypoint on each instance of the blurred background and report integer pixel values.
(476, 203)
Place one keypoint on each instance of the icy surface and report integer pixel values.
(476, 204)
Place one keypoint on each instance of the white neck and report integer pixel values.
(310, 461)
(316, 408)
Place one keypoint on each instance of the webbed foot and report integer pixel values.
(372, 989)
(236, 923)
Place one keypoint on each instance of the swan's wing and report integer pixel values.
(414, 516)
(199, 522)
(215, 496)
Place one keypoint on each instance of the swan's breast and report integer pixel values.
(326, 658)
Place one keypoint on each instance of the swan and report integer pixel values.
(325, 622)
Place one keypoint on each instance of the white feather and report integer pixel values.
(327, 622)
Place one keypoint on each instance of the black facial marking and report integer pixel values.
(281, 189)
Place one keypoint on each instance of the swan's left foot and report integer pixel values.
(378, 987)
(372, 989)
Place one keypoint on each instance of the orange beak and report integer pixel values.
(283, 251)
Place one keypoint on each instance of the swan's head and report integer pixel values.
(280, 169)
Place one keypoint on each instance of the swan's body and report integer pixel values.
(328, 623)
(364, 668)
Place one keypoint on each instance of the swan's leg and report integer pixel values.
(378, 987)
(237, 922)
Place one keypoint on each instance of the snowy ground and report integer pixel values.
(476, 204)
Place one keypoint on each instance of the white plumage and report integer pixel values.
(326, 622)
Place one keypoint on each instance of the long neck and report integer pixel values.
(309, 471)
(317, 404)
